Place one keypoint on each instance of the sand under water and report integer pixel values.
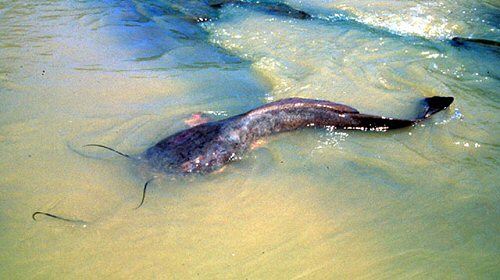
(419, 202)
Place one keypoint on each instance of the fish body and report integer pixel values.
(208, 147)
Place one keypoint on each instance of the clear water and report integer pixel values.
(421, 202)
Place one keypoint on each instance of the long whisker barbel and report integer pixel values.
(33, 216)
(144, 193)
(107, 148)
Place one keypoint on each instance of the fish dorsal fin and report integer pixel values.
(305, 102)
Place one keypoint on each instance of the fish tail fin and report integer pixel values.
(429, 107)
(432, 105)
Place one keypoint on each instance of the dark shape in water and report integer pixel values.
(470, 42)
(275, 8)
(208, 147)
(204, 10)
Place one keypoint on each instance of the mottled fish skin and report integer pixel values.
(207, 147)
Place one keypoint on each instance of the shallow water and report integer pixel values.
(420, 202)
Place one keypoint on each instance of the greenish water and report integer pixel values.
(421, 202)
